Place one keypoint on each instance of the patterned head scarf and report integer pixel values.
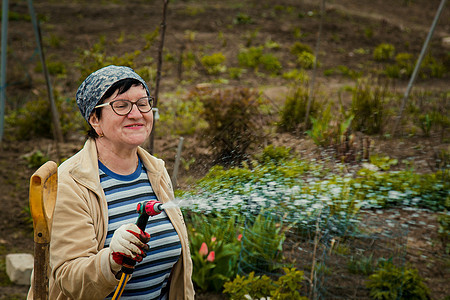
(95, 85)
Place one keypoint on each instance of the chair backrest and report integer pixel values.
(43, 190)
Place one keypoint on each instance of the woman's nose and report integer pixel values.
(135, 112)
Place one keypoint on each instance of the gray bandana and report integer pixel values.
(95, 85)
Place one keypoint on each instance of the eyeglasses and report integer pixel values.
(124, 107)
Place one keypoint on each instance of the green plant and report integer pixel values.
(181, 115)
(214, 250)
(345, 71)
(391, 282)
(384, 52)
(235, 73)
(262, 244)
(364, 265)
(272, 154)
(35, 159)
(331, 130)
(405, 63)
(255, 58)
(320, 132)
(251, 286)
(296, 75)
(242, 18)
(368, 107)
(286, 287)
(54, 41)
(97, 57)
(383, 162)
(294, 111)
(298, 48)
(214, 63)
(34, 118)
(306, 60)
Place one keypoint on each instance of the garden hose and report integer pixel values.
(121, 286)
(145, 210)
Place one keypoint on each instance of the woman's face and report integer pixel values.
(128, 131)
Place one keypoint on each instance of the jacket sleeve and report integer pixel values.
(80, 265)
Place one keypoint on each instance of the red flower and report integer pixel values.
(239, 238)
(211, 256)
(213, 239)
(203, 249)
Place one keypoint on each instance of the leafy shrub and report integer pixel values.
(181, 115)
(34, 119)
(306, 60)
(252, 286)
(250, 57)
(405, 62)
(386, 189)
(297, 75)
(233, 117)
(272, 154)
(384, 52)
(255, 58)
(391, 282)
(242, 18)
(286, 287)
(235, 73)
(36, 159)
(214, 63)
(270, 63)
(383, 162)
(368, 107)
(53, 67)
(298, 48)
(294, 110)
(214, 250)
(432, 68)
(427, 111)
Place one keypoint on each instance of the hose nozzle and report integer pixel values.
(151, 208)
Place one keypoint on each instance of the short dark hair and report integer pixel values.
(121, 86)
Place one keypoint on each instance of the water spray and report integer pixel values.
(145, 210)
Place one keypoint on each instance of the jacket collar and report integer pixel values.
(85, 172)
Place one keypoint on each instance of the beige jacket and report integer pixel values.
(80, 265)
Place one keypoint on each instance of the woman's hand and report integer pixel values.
(128, 241)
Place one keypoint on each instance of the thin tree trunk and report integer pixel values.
(158, 73)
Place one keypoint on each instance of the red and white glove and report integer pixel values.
(130, 241)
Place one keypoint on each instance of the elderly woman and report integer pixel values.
(98, 191)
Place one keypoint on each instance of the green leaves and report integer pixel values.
(391, 282)
(286, 287)
(214, 250)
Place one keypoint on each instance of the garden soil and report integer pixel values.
(351, 30)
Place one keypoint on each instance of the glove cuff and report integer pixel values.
(115, 267)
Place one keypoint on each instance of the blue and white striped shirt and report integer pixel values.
(123, 193)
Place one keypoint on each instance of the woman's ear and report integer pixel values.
(94, 121)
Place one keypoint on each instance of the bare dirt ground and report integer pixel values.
(208, 27)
